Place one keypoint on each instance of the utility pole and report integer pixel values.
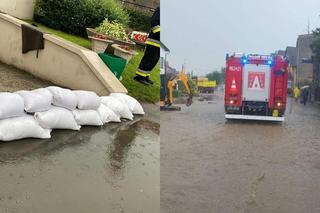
(184, 65)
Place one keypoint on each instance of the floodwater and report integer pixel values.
(210, 165)
(114, 169)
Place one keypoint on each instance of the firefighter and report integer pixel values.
(296, 93)
(152, 51)
(305, 95)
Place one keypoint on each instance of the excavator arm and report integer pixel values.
(187, 87)
(172, 84)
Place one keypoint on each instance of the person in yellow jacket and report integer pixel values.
(296, 93)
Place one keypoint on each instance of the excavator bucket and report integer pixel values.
(189, 101)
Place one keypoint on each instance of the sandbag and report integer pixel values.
(117, 106)
(11, 105)
(134, 106)
(87, 100)
(63, 97)
(22, 127)
(57, 118)
(107, 115)
(87, 117)
(38, 100)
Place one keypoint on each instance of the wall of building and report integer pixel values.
(22, 9)
(304, 70)
(61, 62)
(147, 3)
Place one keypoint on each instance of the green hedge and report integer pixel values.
(139, 20)
(74, 16)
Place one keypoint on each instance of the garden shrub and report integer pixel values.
(139, 20)
(74, 16)
(113, 29)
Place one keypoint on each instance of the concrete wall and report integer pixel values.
(61, 62)
(147, 3)
(22, 9)
(304, 70)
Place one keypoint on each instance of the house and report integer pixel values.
(304, 55)
(147, 6)
(22, 9)
(164, 51)
(291, 55)
(316, 81)
(281, 52)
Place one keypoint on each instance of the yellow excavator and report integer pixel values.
(167, 88)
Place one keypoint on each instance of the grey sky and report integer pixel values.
(202, 32)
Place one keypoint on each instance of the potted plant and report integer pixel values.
(99, 43)
(111, 30)
(115, 32)
(123, 51)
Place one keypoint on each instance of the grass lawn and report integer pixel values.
(137, 90)
(150, 94)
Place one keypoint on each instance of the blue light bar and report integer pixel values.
(270, 62)
(244, 60)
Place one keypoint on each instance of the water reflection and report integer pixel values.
(28, 149)
(121, 136)
(124, 139)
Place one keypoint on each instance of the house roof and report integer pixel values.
(281, 52)
(305, 40)
(164, 47)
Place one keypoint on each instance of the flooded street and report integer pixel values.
(210, 165)
(114, 169)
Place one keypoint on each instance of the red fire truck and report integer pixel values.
(256, 87)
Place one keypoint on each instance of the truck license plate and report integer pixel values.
(275, 113)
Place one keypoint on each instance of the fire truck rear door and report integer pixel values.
(256, 82)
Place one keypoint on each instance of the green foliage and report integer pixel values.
(194, 88)
(74, 16)
(217, 76)
(315, 46)
(84, 42)
(142, 93)
(139, 20)
(113, 29)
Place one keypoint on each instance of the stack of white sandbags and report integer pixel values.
(15, 123)
(60, 115)
(86, 112)
(133, 105)
(35, 113)
(117, 106)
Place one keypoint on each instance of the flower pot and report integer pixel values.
(93, 33)
(99, 45)
(123, 53)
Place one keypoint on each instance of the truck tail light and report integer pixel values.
(232, 99)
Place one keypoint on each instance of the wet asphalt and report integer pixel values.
(110, 169)
(210, 165)
(114, 169)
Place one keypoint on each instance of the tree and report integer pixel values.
(315, 46)
(217, 76)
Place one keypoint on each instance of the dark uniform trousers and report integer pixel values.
(152, 53)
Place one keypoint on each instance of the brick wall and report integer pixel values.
(146, 3)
